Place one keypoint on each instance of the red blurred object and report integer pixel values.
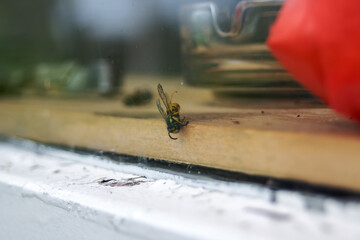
(318, 42)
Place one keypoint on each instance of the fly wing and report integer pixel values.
(163, 97)
(161, 110)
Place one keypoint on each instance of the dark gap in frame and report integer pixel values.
(190, 170)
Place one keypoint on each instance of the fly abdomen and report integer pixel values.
(173, 123)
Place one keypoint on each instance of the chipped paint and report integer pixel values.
(54, 194)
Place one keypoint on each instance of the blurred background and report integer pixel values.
(67, 44)
(82, 46)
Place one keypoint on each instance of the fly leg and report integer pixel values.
(172, 95)
(171, 136)
(184, 122)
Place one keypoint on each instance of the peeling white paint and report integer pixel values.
(54, 194)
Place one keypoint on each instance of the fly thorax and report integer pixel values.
(175, 108)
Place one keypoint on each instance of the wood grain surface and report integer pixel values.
(279, 138)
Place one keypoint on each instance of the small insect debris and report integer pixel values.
(138, 97)
(172, 115)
